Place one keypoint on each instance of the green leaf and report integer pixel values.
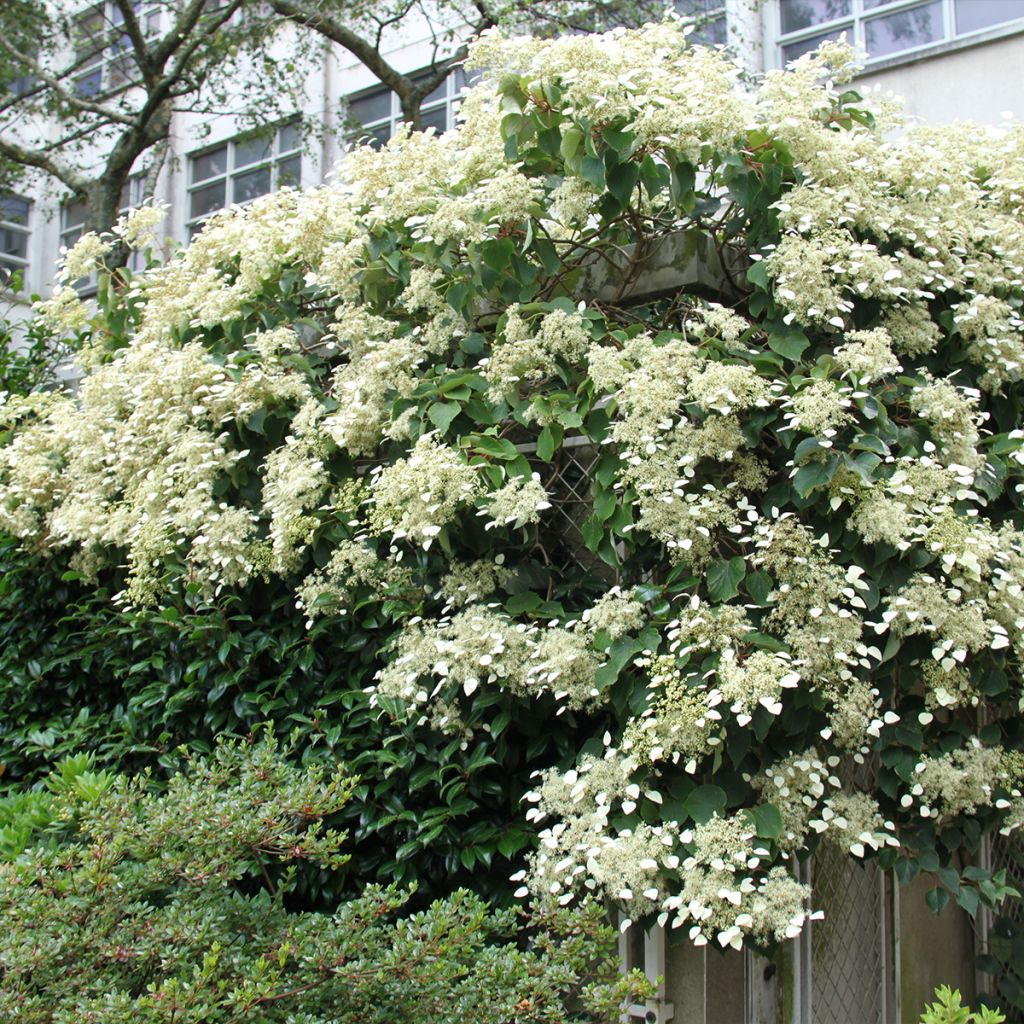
(525, 601)
(906, 870)
(759, 585)
(937, 899)
(620, 141)
(724, 578)
(604, 504)
(767, 820)
(498, 254)
(547, 441)
(758, 274)
(968, 899)
(592, 171)
(441, 414)
(572, 140)
(704, 802)
(621, 182)
(790, 345)
(495, 447)
(593, 532)
(870, 443)
(814, 475)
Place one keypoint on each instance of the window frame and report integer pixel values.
(275, 157)
(9, 263)
(103, 62)
(132, 196)
(455, 84)
(854, 24)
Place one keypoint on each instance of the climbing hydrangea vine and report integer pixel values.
(683, 410)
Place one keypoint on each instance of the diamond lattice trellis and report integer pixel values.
(1001, 853)
(567, 480)
(848, 955)
(851, 963)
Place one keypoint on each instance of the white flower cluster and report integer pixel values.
(480, 646)
(727, 896)
(419, 495)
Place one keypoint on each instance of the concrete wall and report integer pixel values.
(979, 83)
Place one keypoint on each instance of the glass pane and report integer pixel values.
(250, 185)
(289, 172)
(903, 30)
(89, 34)
(697, 8)
(794, 50)
(205, 200)
(710, 32)
(117, 17)
(8, 268)
(74, 215)
(13, 243)
(90, 84)
(132, 193)
(252, 151)
(972, 15)
(120, 71)
(798, 14)
(440, 93)
(374, 138)
(870, 4)
(210, 165)
(14, 210)
(23, 85)
(466, 79)
(289, 137)
(436, 118)
(374, 106)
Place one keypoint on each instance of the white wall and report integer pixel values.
(974, 83)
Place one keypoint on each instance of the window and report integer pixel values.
(708, 17)
(377, 113)
(14, 234)
(239, 171)
(73, 216)
(886, 28)
(103, 51)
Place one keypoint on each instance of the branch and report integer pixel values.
(369, 56)
(55, 84)
(78, 183)
(138, 40)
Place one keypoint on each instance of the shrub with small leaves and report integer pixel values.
(949, 1009)
(139, 904)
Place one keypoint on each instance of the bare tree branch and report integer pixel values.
(74, 180)
(70, 98)
(134, 32)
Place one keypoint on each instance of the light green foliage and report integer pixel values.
(804, 472)
(948, 1009)
(149, 905)
(29, 353)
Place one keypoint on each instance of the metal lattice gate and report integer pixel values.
(847, 964)
(850, 963)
